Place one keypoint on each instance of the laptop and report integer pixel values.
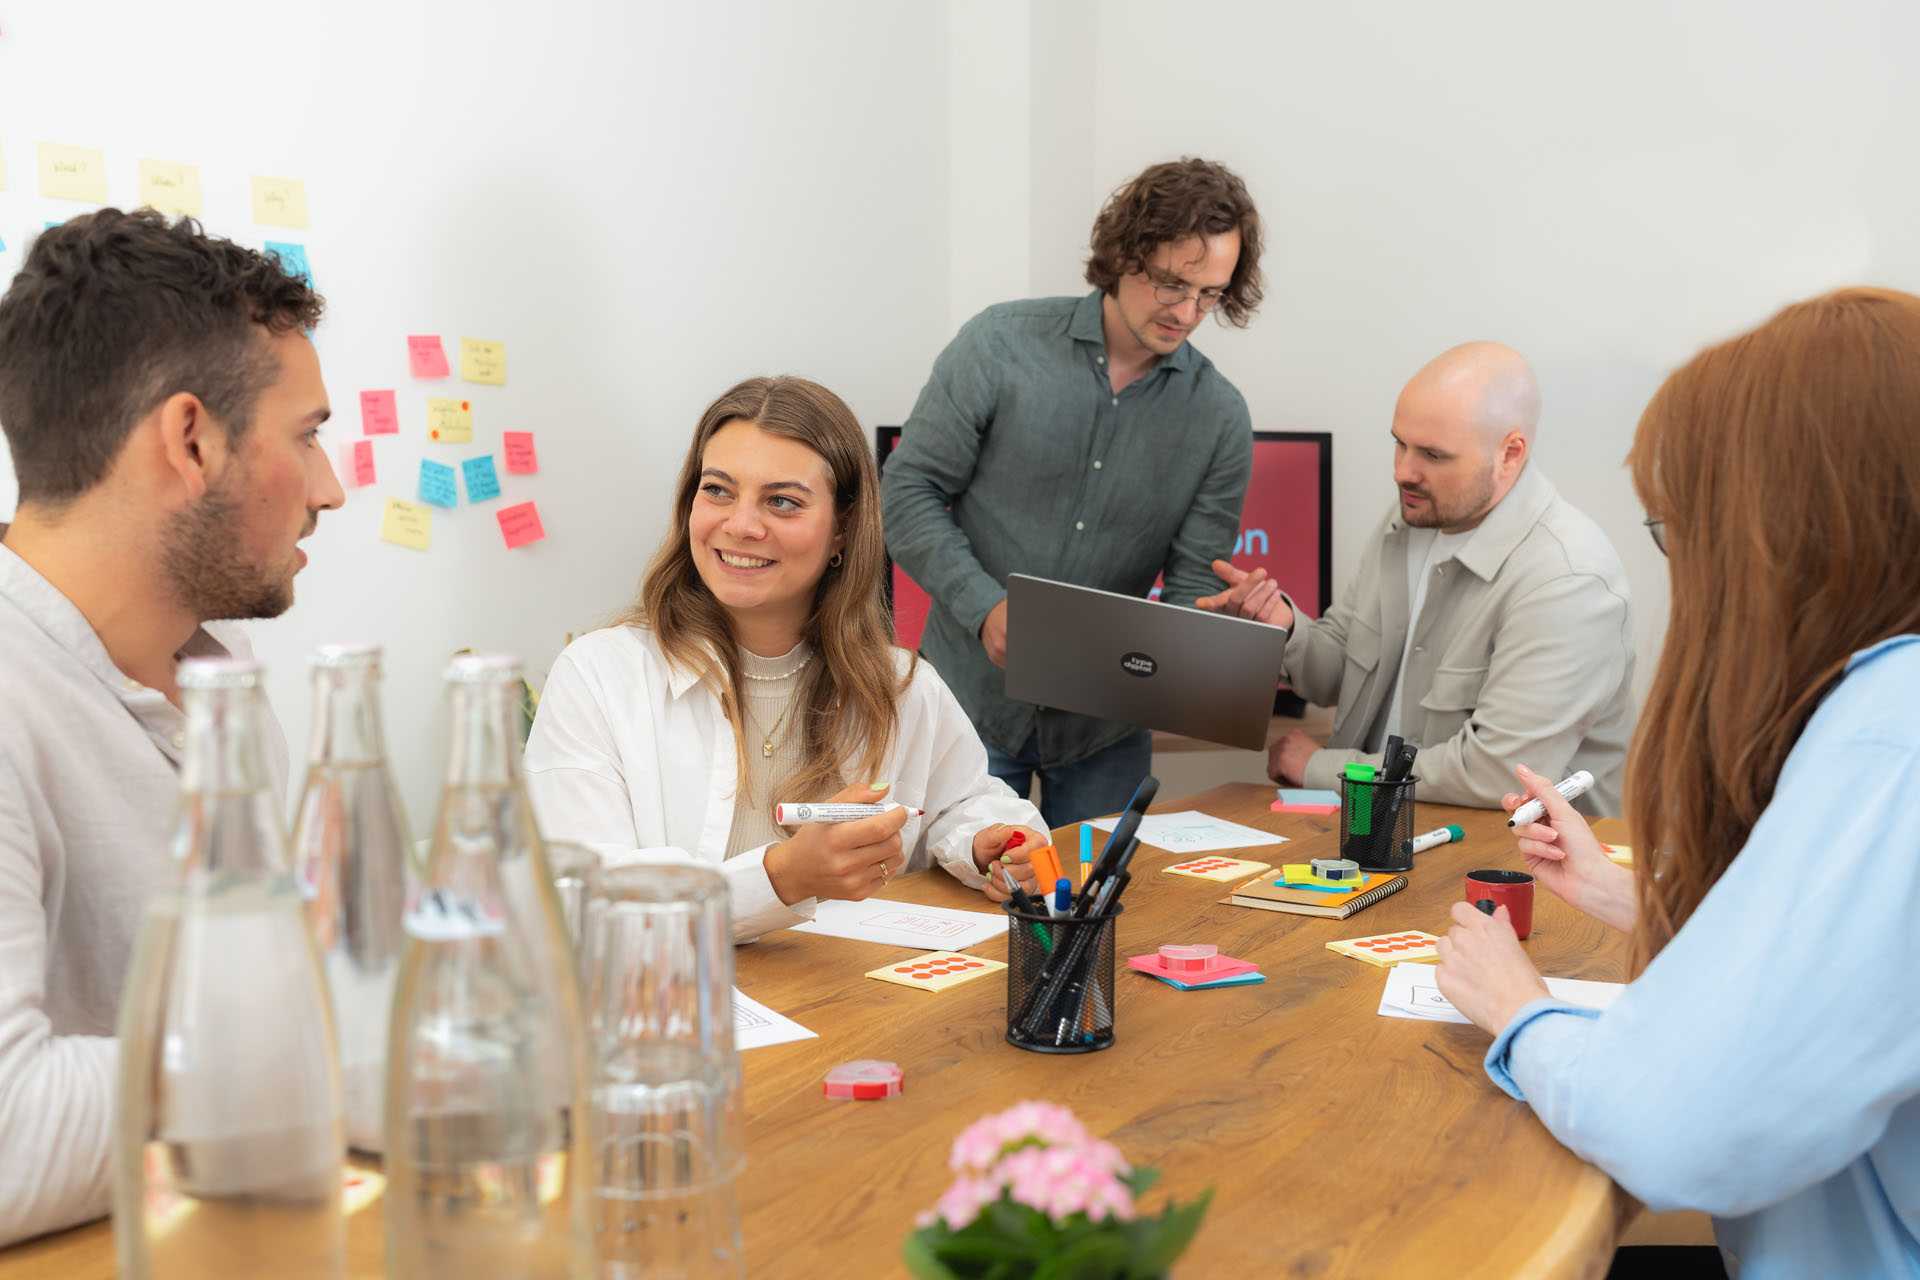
(1201, 675)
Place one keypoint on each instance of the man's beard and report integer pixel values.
(1471, 507)
(202, 556)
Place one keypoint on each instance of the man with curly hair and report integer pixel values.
(162, 406)
(1083, 440)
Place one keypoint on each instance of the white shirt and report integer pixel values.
(89, 781)
(631, 752)
(1425, 549)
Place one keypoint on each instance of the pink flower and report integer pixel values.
(984, 1141)
(1043, 1157)
(962, 1202)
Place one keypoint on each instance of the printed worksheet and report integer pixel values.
(1191, 831)
(755, 1026)
(905, 924)
(1412, 992)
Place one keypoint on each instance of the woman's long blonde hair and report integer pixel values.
(847, 702)
(1786, 466)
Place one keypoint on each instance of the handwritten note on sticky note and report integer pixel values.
(449, 421)
(407, 524)
(425, 356)
(379, 415)
(482, 482)
(436, 484)
(363, 462)
(482, 361)
(170, 187)
(280, 202)
(73, 173)
(293, 259)
(521, 460)
(520, 524)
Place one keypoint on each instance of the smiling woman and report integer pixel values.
(758, 667)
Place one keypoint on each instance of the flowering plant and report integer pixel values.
(1036, 1197)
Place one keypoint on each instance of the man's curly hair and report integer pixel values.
(1169, 202)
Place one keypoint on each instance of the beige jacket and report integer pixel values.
(1523, 655)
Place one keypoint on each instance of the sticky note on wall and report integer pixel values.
(170, 187)
(379, 415)
(73, 173)
(436, 484)
(518, 445)
(449, 421)
(356, 463)
(407, 524)
(293, 259)
(280, 202)
(482, 361)
(482, 483)
(425, 356)
(520, 524)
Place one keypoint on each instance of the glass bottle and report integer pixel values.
(351, 850)
(227, 1139)
(488, 1133)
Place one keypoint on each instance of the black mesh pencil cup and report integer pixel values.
(1376, 823)
(1060, 990)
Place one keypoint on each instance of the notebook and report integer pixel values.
(1267, 896)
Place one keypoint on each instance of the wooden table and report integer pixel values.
(1339, 1143)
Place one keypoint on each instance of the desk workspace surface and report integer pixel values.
(1339, 1142)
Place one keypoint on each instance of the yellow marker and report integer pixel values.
(449, 420)
(407, 524)
(73, 173)
(170, 187)
(482, 361)
(280, 202)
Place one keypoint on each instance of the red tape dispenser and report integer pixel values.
(864, 1080)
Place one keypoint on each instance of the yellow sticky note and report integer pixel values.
(449, 421)
(73, 173)
(482, 361)
(170, 187)
(407, 524)
(280, 202)
(1620, 853)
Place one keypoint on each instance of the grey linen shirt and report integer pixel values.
(1522, 654)
(89, 781)
(1020, 458)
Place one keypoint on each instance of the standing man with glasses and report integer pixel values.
(1087, 441)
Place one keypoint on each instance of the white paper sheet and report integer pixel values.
(1191, 831)
(904, 924)
(1412, 992)
(755, 1026)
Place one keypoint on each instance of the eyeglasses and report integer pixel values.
(1657, 529)
(1171, 293)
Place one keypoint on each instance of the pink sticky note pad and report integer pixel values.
(425, 356)
(1314, 810)
(379, 415)
(521, 459)
(1218, 966)
(356, 463)
(520, 524)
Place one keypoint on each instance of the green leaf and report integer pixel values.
(1168, 1236)
(1141, 1181)
(1094, 1257)
(918, 1255)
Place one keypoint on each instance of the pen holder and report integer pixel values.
(1376, 822)
(1060, 993)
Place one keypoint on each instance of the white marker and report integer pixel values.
(793, 815)
(1435, 838)
(1569, 788)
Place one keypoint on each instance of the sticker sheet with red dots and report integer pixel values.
(1388, 949)
(936, 970)
(1215, 868)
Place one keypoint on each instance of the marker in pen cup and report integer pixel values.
(1086, 853)
(794, 815)
(1062, 897)
(1570, 788)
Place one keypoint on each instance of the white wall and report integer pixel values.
(645, 202)
(1607, 188)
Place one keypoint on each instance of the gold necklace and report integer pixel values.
(766, 743)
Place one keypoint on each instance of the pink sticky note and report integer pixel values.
(521, 460)
(426, 356)
(379, 415)
(520, 524)
(356, 463)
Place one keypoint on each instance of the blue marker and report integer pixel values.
(1062, 897)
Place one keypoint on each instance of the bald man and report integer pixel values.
(1488, 624)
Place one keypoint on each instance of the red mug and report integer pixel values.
(1510, 889)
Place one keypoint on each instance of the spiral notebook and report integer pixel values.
(1263, 893)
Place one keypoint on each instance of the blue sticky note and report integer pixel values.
(1293, 795)
(436, 484)
(293, 259)
(482, 483)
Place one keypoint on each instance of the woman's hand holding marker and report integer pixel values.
(1002, 845)
(849, 860)
(1563, 854)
